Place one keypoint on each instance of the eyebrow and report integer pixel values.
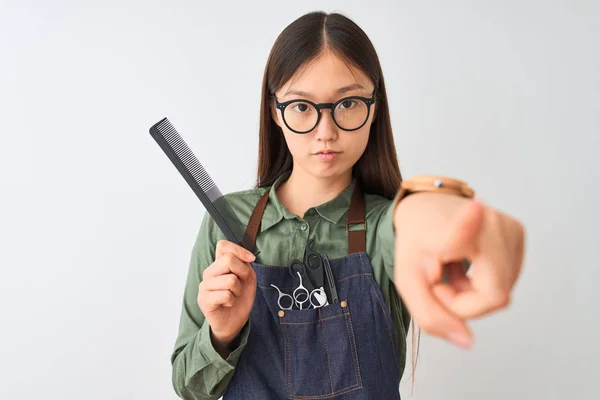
(341, 90)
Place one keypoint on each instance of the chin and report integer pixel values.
(328, 173)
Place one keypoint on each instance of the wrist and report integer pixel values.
(424, 188)
(422, 209)
(410, 205)
(222, 342)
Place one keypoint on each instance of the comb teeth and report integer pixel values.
(181, 149)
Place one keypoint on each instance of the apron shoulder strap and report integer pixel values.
(357, 238)
(249, 240)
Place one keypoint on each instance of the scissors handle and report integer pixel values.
(282, 295)
(320, 297)
(299, 265)
(301, 293)
(313, 263)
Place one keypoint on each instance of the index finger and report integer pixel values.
(226, 246)
(423, 305)
(488, 291)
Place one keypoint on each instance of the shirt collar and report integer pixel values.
(332, 211)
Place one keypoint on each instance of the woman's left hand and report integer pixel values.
(435, 232)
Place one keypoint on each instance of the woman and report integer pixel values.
(328, 185)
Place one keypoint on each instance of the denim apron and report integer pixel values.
(345, 350)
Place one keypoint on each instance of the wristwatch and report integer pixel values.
(432, 183)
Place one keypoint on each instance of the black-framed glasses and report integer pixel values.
(349, 114)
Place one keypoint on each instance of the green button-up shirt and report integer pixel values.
(199, 372)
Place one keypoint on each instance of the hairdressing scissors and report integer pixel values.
(317, 294)
(283, 296)
(301, 293)
(317, 269)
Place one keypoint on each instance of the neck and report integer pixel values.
(302, 191)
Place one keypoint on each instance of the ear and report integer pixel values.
(274, 113)
(374, 108)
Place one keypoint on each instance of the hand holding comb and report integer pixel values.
(201, 183)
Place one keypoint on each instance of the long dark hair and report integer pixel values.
(299, 43)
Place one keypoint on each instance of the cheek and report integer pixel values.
(358, 142)
(297, 144)
(361, 137)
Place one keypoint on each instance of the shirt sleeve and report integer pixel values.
(198, 371)
(386, 237)
(384, 249)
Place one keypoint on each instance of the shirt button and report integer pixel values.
(303, 226)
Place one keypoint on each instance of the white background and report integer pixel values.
(96, 224)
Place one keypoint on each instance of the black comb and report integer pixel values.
(201, 183)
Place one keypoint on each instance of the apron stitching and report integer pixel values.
(355, 275)
(287, 362)
(358, 384)
(349, 258)
(315, 321)
(275, 290)
(386, 323)
(357, 375)
(341, 280)
(329, 395)
(362, 265)
(327, 351)
(261, 265)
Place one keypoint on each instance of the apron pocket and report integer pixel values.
(321, 359)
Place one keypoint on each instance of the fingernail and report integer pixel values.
(460, 339)
(250, 256)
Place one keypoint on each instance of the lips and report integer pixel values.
(327, 155)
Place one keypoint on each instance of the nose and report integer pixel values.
(326, 129)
